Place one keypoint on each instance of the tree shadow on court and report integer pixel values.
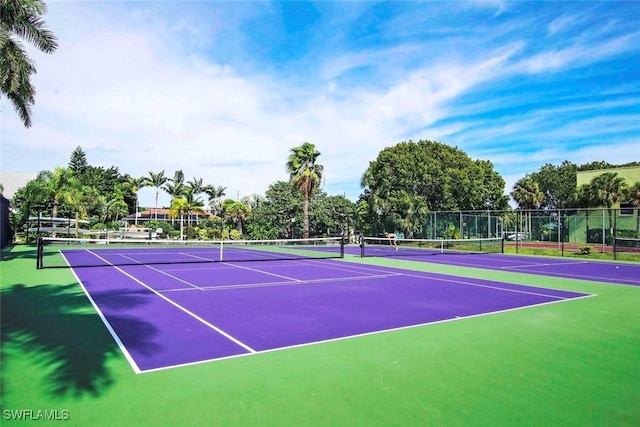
(57, 325)
(22, 252)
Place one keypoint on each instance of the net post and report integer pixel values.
(221, 250)
(615, 249)
(39, 254)
(342, 243)
(502, 244)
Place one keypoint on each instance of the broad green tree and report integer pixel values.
(558, 185)
(441, 176)
(306, 175)
(21, 19)
(278, 214)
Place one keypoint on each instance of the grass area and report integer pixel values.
(586, 252)
(571, 364)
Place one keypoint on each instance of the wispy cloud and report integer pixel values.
(222, 91)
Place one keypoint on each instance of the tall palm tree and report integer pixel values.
(607, 190)
(237, 212)
(156, 180)
(214, 194)
(62, 187)
(175, 186)
(182, 205)
(135, 184)
(21, 19)
(305, 174)
(196, 186)
(527, 193)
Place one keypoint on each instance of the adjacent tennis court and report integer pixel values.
(487, 254)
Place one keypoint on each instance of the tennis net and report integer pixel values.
(383, 247)
(69, 252)
(625, 245)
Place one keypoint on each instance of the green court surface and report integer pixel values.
(571, 364)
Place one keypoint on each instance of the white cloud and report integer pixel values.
(142, 94)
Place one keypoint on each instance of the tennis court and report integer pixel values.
(379, 340)
(167, 308)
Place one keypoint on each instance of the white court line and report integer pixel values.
(113, 333)
(461, 282)
(190, 313)
(287, 283)
(163, 272)
(429, 276)
(260, 271)
(546, 264)
(382, 331)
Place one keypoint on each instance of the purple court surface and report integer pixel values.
(171, 315)
(568, 268)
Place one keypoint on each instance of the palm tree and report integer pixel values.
(526, 192)
(156, 180)
(215, 193)
(305, 174)
(633, 194)
(135, 184)
(185, 204)
(237, 212)
(111, 207)
(21, 19)
(62, 187)
(606, 190)
(196, 186)
(175, 187)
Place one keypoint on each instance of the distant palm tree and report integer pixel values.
(135, 184)
(527, 193)
(214, 194)
(305, 174)
(196, 186)
(156, 180)
(21, 19)
(633, 194)
(182, 205)
(606, 190)
(237, 212)
(62, 187)
(111, 208)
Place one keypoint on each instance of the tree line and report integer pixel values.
(400, 187)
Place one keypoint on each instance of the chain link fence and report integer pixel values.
(573, 230)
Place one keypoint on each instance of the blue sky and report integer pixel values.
(223, 90)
